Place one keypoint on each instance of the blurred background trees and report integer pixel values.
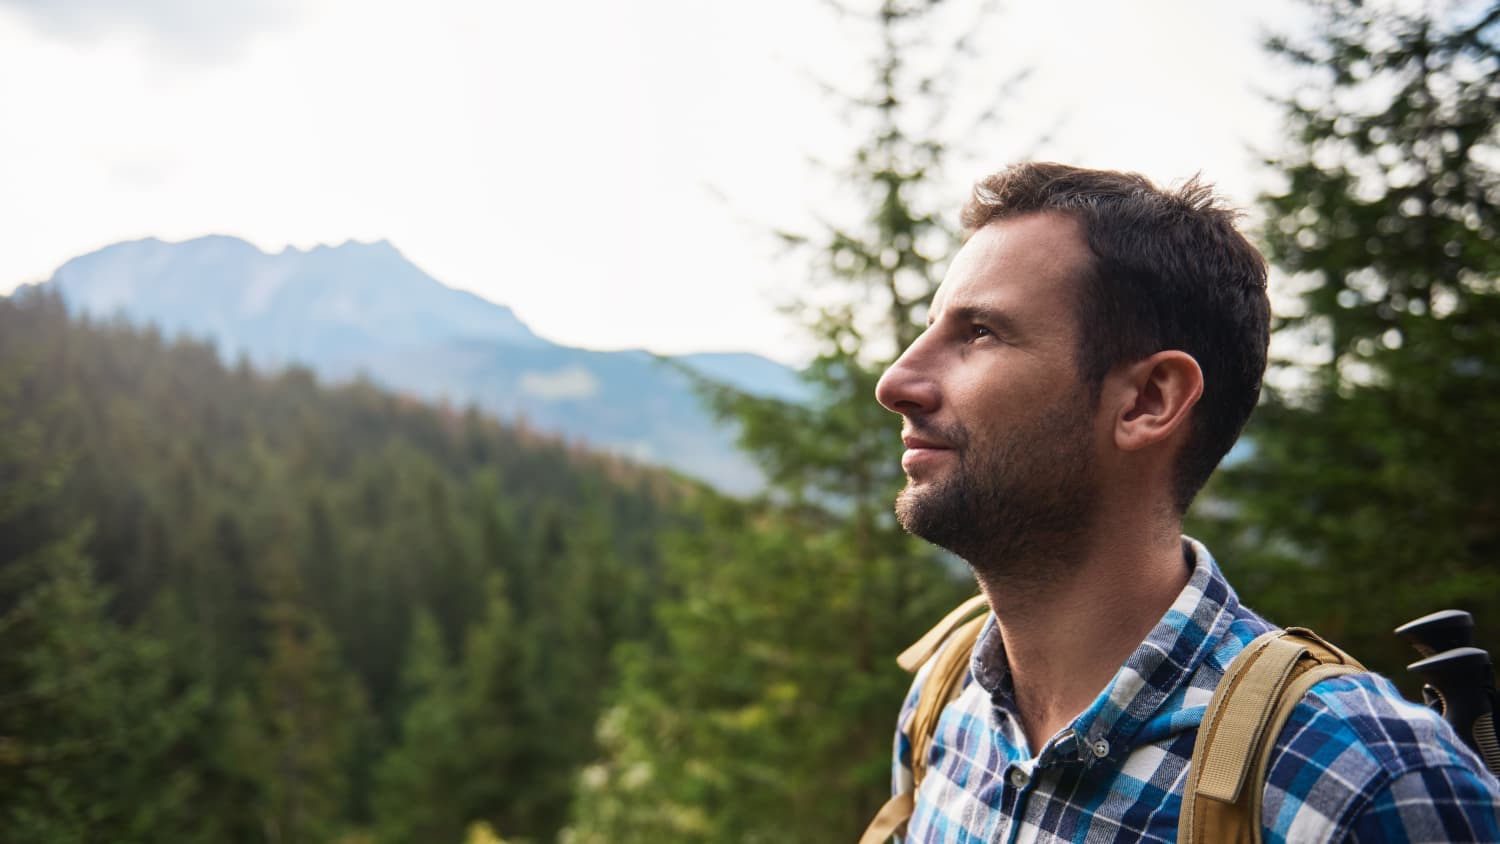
(209, 577)
(1366, 496)
(765, 714)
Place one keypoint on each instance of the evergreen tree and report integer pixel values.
(492, 698)
(92, 718)
(1367, 499)
(258, 546)
(745, 724)
(473, 738)
(768, 712)
(92, 722)
(415, 798)
(292, 732)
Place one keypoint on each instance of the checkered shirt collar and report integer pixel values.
(1164, 662)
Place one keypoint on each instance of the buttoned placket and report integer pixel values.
(1022, 776)
(1019, 781)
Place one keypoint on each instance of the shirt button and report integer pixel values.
(1101, 748)
(1018, 778)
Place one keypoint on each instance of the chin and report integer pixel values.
(914, 509)
(926, 480)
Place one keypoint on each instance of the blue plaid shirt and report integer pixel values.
(1356, 761)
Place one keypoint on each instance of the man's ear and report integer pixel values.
(1155, 396)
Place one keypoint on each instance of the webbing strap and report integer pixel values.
(1251, 705)
(942, 685)
(1295, 692)
(1237, 717)
(891, 816)
(955, 635)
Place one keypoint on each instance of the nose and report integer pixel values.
(907, 387)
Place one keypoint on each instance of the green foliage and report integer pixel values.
(291, 733)
(767, 712)
(518, 707)
(1367, 499)
(263, 547)
(486, 706)
(92, 718)
(415, 798)
(90, 722)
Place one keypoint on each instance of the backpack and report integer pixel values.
(1249, 707)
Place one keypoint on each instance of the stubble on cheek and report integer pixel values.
(1027, 497)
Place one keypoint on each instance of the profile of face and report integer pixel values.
(1000, 432)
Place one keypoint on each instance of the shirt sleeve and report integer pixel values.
(1435, 804)
(1357, 762)
(901, 775)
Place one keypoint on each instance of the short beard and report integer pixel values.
(1027, 500)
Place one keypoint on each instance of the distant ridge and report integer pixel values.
(364, 308)
(293, 306)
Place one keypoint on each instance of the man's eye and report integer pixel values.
(977, 332)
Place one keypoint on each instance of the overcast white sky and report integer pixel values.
(607, 169)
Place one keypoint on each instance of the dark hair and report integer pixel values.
(1170, 271)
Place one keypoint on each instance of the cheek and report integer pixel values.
(1003, 393)
(978, 404)
(1026, 407)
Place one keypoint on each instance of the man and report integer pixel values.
(1093, 352)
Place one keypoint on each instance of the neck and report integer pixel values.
(1069, 624)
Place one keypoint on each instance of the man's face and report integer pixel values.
(1000, 432)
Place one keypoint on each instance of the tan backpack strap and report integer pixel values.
(891, 816)
(955, 635)
(1321, 649)
(1238, 715)
(1295, 692)
(943, 685)
(922, 650)
(1258, 692)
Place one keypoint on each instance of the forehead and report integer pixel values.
(1029, 267)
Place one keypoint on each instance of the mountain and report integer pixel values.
(316, 307)
(365, 309)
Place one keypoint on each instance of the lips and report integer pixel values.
(922, 455)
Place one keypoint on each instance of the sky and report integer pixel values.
(611, 171)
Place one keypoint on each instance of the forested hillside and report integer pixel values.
(365, 310)
(242, 606)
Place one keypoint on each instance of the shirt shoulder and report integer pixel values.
(1357, 761)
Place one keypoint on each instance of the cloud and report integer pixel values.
(191, 31)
